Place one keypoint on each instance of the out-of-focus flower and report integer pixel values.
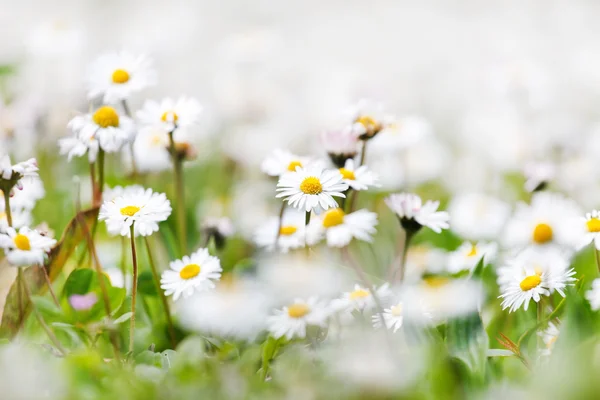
(83, 302)
(13, 175)
(311, 188)
(79, 144)
(466, 257)
(340, 228)
(280, 161)
(550, 219)
(105, 125)
(477, 216)
(392, 318)
(291, 232)
(549, 336)
(358, 178)
(194, 273)
(361, 299)
(150, 150)
(593, 295)
(117, 76)
(401, 135)
(292, 320)
(538, 175)
(169, 114)
(590, 230)
(143, 209)
(341, 145)
(414, 214)
(26, 247)
(368, 119)
(218, 228)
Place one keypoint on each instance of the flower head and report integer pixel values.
(291, 234)
(292, 320)
(466, 257)
(340, 145)
(280, 161)
(25, 247)
(105, 125)
(414, 214)
(14, 175)
(170, 115)
(368, 119)
(538, 175)
(340, 228)
(194, 273)
(358, 178)
(590, 230)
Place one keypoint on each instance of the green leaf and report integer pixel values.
(146, 284)
(80, 281)
(269, 350)
(46, 307)
(468, 341)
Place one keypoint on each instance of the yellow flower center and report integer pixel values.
(530, 282)
(287, 230)
(347, 174)
(333, 217)
(593, 225)
(367, 121)
(542, 233)
(106, 116)
(120, 76)
(473, 251)
(436, 281)
(22, 242)
(169, 116)
(311, 185)
(298, 310)
(2, 215)
(292, 166)
(129, 210)
(189, 271)
(359, 294)
(396, 310)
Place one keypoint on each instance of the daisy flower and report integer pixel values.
(31, 191)
(538, 175)
(169, 114)
(195, 273)
(292, 320)
(368, 119)
(590, 230)
(141, 208)
(340, 145)
(280, 161)
(392, 318)
(219, 228)
(26, 247)
(151, 150)
(466, 257)
(550, 219)
(360, 299)
(105, 125)
(414, 214)
(311, 188)
(116, 76)
(340, 228)
(549, 336)
(478, 216)
(80, 144)
(20, 217)
(13, 175)
(358, 178)
(291, 232)
(593, 295)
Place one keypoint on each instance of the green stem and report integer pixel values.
(7, 209)
(540, 340)
(133, 290)
(597, 258)
(400, 271)
(179, 195)
(20, 296)
(100, 174)
(161, 293)
(49, 283)
(306, 222)
(281, 211)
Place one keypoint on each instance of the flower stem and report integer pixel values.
(540, 310)
(161, 293)
(306, 222)
(7, 209)
(41, 321)
(179, 195)
(354, 194)
(100, 187)
(281, 211)
(131, 153)
(20, 296)
(133, 290)
(49, 283)
(399, 273)
(597, 258)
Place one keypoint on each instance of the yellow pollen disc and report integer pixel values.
(298, 310)
(189, 271)
(542, 233)
(530, 282)
(120, 76)
(593, 225)
(436, 281)
(129, 210)
(359, 294)
(538, 270)
(169, 116)
(287, 230)
(22, 242)
(347, 174)
(333, 217)
(397, 310)
(292, 166)
(473, 251)
(367, 121)
(311, 185)
(2, 215)
(106, 116)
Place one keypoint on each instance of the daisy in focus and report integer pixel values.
(413, 214)
(25, 247)
(280, 161)
(590, 230)
(291, 234)
(105, 125)
(340, 228)
(392, 318)
(311, 188)
(170, 115)
(141, 208)
(360, 178)
(194, 273)
(593, 295)
(115, 77)
(466, 257)
(292, 320)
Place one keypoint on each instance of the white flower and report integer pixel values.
(360, 178)
(27, 247)
(79, 144)
(532, 274)
(219, 225)
(392, 318)
(280, 161)
(116, 76)
(291, 232)
(368, 118)
(593, 295)
(141, 208)
(549, 220)
(409, 208)
(16, 173)
(340, 142)
(31, 191)
(549, 336)
(478, 216)
(169, 114)
(105, 125)
(538, 175)
(20, 217)
(361, 299)
(292, 320)
(195, 273)
(151, 150)
(311, 188)
(340, 228)
(404, 133)
(467, 256)
(590, 230)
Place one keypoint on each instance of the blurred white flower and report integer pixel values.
(292, 320)
(281, 161)
(358, 177)
(20, 217)
(169, 114)
(25, 247)
(401, 135)
(477, 216)
(414, 214)
(538, 175)
(291, 233)
(368, 118)
(361, 299)
(105, 125)
(79, 144)
(340, 228)
(590, 230)
(593, 295)
(150, 150)
(340, 144)
(549, 336)
(392, 318)
(19, 172)
(466, 257)
(194, 273)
